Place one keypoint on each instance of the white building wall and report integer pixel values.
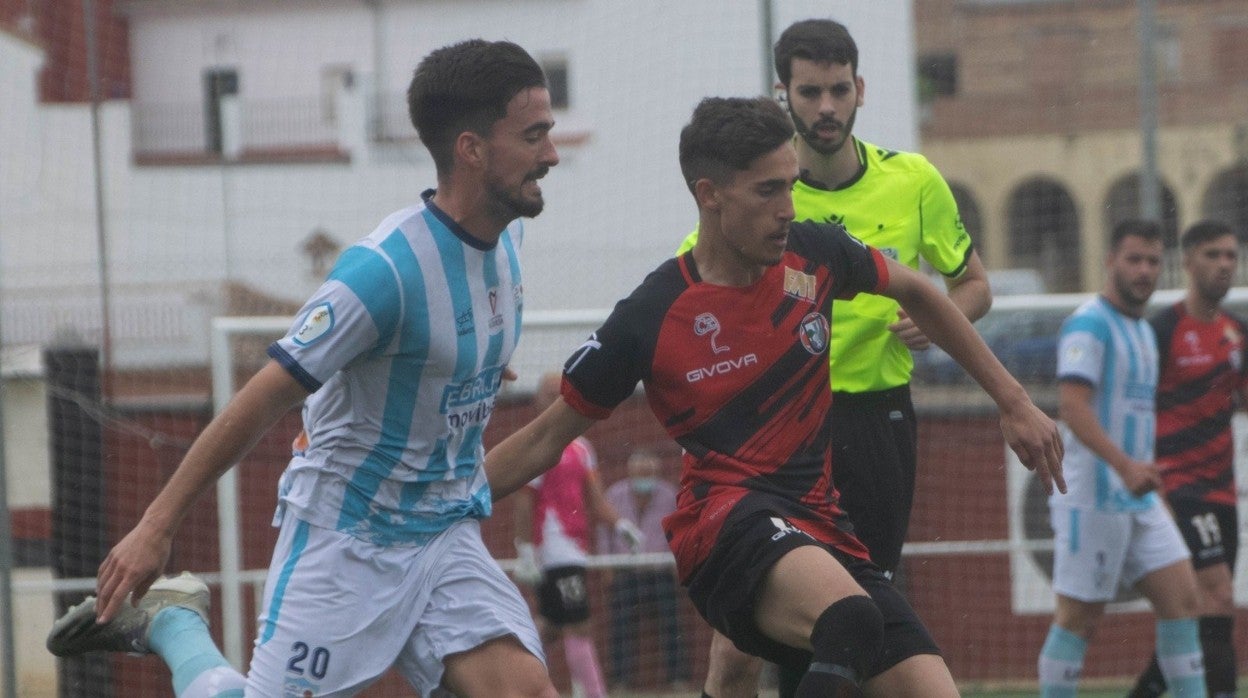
(616, 205)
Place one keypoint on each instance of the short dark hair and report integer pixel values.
(466, 87)
(1204, 231)
(1148, 230)
(818, 40)
(727, 134)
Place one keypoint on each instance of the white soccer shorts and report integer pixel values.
(339, 612)
(1096, 553)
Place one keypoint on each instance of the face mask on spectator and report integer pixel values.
(642, 485)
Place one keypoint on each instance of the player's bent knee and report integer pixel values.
(849, 634)
(500, 668)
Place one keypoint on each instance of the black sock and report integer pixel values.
(846, 639)
(1151, 683)
(1219, 651)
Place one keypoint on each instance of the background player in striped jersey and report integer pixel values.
(899, 203)
(1112, 530)
(730, 342)
(1203, 376)
(554, 514)
(399, 356)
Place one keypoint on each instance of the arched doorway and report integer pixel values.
(1044, 233)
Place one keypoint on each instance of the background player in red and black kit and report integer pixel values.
(1203, 371)
(730, 340)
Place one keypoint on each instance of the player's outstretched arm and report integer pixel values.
(534, 448)
(1029, 432)
(139, 558)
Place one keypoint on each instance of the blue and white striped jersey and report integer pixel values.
(404, 346)
(1116, 355)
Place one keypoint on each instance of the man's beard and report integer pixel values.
(816, 144)
(512, 203)
(1213, 292)
(1127, 292)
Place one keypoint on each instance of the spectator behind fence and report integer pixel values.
(643, 497)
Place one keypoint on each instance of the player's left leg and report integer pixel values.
(1212, 535)
(1172, 592)
(1217, 624)
(500, 667)
(808, 599)
(909, 664)
(1158, 563)
(474, 635)
(1214, 566)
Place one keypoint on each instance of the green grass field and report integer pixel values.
(1098, 690)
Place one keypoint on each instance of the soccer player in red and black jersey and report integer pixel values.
(1203, 374)
(730, 341)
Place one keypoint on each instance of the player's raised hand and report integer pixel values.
(132, 566)
(1035, 439)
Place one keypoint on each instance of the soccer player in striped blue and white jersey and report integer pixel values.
(398, 359)
(1111, 530)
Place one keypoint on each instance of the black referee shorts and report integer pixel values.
(874, 454)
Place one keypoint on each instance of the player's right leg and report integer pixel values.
(170, 621)
(730, 673)
(1089, 549)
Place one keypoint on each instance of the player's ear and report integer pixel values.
(470, 148)
(706, 194)
(862, 88)
(781, 93)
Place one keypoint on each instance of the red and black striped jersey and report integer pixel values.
(1202, 367)
(738, 376)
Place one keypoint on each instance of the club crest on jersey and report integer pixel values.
(496, 320)
(799, 285)
(814, 332)
(705, 324)
(318, 322)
